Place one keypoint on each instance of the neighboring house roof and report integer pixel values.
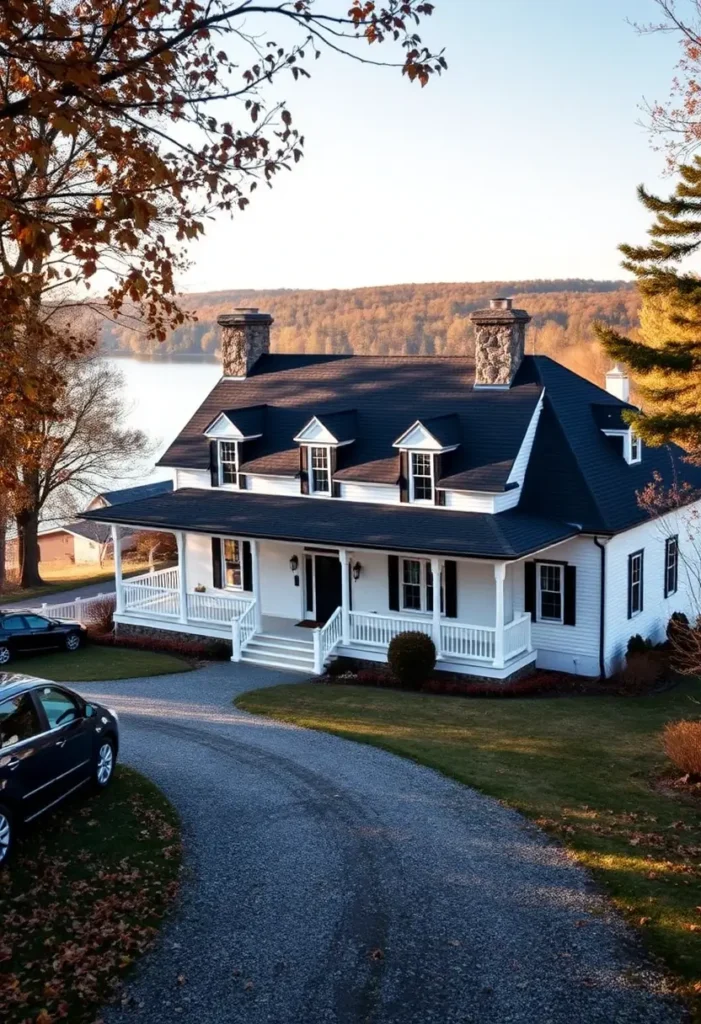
(98, 532)
(387, 396)
(333, 521)
(136, 493)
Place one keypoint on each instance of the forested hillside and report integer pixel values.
(421, 319)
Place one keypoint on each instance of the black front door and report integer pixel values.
(327, 573)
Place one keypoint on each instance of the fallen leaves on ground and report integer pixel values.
(82, 900)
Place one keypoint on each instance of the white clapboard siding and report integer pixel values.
(272, 484)
(192, 478)
(376, 494)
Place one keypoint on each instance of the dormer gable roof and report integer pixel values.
(237, 424)
(331, 428)
(435, 433)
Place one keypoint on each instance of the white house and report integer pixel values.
(322, 504)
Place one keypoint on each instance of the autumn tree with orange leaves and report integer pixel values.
(124, 124)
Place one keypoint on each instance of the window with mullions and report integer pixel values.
(421, 476)
(320, 470)
(228, 462)
(671, 566)
(635, 583)
(550, 601)
(417, 586)
(231, 565)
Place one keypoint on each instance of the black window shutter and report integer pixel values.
(450, 580)
(214, 462)
(334, 486)
(642, 580)
(529, 600)
(403, 476)
(570, 610)
(309, 580)
(247, 566)
(393, 582)
(438, 496)
(243, 483)
(216, 563)
(630, 586)
(303, 469)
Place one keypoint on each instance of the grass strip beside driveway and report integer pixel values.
(93, 663)
(83, 898)
(586, 769)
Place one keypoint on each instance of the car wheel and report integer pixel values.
(7, 832)
(73, 641)
(5, 654)
(104, 765)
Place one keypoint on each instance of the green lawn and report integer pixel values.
(94, 662)
(83, 899)
(584, 768)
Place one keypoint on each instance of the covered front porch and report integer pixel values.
(296, 606)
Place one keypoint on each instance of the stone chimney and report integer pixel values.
(618, 383)
(500, 333)
(245, 337)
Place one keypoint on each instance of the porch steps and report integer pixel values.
(280, 652)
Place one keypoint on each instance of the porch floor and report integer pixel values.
(275, 625)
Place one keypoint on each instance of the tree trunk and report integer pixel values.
(28, 538)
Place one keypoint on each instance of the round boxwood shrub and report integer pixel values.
(638, 645)
(412, 657)
(677, 626)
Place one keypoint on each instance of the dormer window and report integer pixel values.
(636, 448)
(421, 481)
(320, 482)
(228, 463)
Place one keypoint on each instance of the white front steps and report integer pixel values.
(286, 652)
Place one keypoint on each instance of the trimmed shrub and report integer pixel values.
(211, 650)
(677, 626)
(642, 672)
(637, 645)
(682, 744)
(100, 614)
(538, 682)
(337, 667)
(412, 658)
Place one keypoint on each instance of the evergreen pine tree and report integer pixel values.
(666, 358)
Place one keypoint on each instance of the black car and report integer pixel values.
(52, 743)
(22, 632)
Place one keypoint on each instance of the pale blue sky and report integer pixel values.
(520, 162)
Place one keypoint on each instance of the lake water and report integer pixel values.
(162, 396)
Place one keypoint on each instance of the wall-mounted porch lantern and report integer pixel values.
(294, 563)
(357, 569)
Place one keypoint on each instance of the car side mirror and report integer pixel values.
(52, 625)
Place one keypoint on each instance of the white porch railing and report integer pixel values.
(378, 630)
(325, 639)
(243, 627)
(220, 608)
(517, 636)
(458, 640)
(139, 596)
(167, 578)
(80, 610)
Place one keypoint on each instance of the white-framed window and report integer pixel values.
(636, 448)
(550, 578)
(228, 463)
(319, 475)
(635, 583)
(232, 564)
(421, 477)
(417, 586)
(671, 566)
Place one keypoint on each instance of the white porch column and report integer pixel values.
(117, 555)
(255, 571)
(345, 596)
(182, 574)
(499, 577)
(436, 569)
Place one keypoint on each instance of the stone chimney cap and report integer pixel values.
(500, 311)
(244, 315)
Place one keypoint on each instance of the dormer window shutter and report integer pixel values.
(403, 475)
(335, 485)
(303, 469)
(438, 496)
(214, 462)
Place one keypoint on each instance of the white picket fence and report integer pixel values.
(74, 611)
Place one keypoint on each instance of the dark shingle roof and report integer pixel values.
(445, 429)
(343, 425)
(136, 493)
(249, 421)
(333, 521)
(388, 395)
(91, 531)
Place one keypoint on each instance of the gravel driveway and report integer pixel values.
(330, 882)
